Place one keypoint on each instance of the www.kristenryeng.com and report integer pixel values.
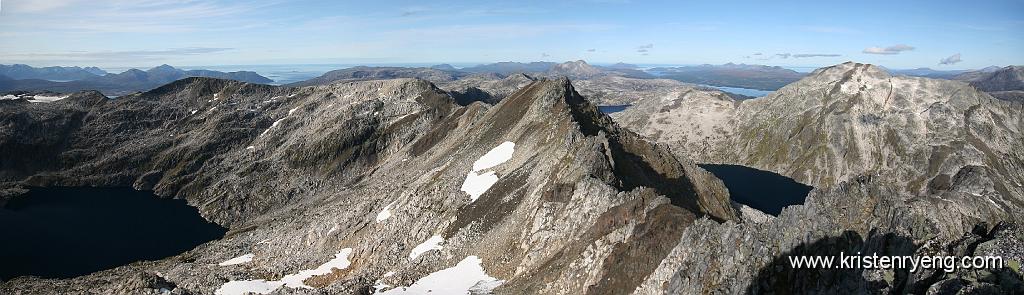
(912, 262)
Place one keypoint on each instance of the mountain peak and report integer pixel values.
(634, 162)
(165, 70)
(576, 69)
(851, 70)
(164, 67)
(444, 67)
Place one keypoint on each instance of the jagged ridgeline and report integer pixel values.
(392, 186)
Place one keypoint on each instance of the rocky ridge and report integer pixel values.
(581, 202)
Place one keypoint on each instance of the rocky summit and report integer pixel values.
(398, 187)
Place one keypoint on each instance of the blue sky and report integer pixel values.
(143, 33)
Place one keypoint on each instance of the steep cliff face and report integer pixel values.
(542, 191)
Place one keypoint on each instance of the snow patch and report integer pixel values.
(44, 98)
(340, 261)
(466, 277)
(495, 157)
(194, 112)
(476, 184)
(292, 111)
(272, 126)
(384, 214)
(433, 243)
(237, 260)
(248, 287)
(8, 97)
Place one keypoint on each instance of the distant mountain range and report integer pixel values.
(731, 75)
(363, 73)
(578, 69)
(20, 71)
(761, 77)
(506, 68)
(446, 73)
(1005, 83)
(944, 74)
(129, 81)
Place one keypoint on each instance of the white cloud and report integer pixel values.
(895, 49)
(761, 56)
(950, 60)
(644, 49)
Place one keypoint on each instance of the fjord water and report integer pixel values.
(68, 232)
(761, 190)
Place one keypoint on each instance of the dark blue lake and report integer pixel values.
(759, 189)
(613, 109)
(68, 232)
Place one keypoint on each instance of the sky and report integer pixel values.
(937, 34)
